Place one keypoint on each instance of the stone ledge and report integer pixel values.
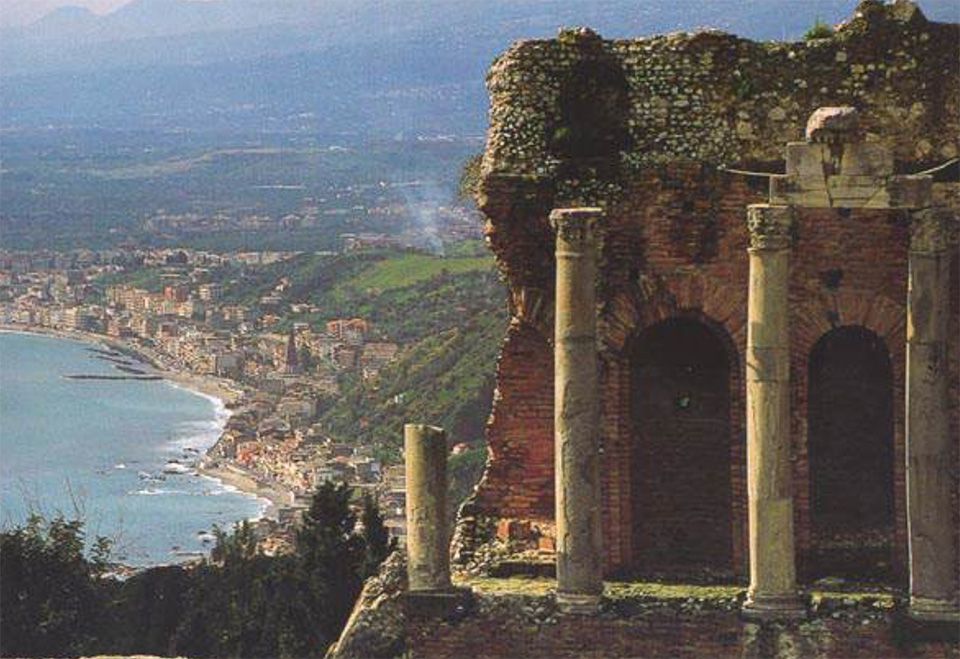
(447, 605)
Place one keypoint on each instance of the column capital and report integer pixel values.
(929, 229)
(575, 226)
(770, 227)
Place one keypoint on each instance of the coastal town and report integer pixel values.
(273, 372)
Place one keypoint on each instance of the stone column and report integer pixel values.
(933, 556)
(773, 588)
(577, 412)
(428, 559)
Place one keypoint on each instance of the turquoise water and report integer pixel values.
(99, 448)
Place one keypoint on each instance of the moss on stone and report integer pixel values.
(530, 586)
(626, 591)
(670, 591)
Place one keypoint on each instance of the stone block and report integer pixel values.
(866, 159)
(804, 159)
(910, 191)
(807, 191)
(857, 192)
(909, 629)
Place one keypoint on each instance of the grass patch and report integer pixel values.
(640, 590)
(881, 599)
(613, 590)
(411, 269)
(671, 591)
(149, 279)
(533, 586)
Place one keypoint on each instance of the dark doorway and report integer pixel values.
(681, 467)
(850, 445)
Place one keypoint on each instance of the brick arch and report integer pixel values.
(882, 316)
(811, 319)
(652, 299)
(649, 301)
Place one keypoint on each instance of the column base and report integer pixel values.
(578, 604)
(923, 609)
(762, 608)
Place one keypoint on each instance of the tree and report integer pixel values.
(377, 542)
(307, 362)
(240, 603)
(819, 30)
(236, 547)
(53, 598)
(331, 555)
(247, 604)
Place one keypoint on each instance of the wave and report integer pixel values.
(200, 435)
(159, 491)
(220, 410)
(226, 488)
(118, 480)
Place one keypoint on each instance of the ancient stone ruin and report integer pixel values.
(735, 299)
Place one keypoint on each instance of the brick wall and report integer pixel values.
(659, 633)
(676, 247)
(674, 242)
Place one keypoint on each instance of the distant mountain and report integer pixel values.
(66, 20)
(338, 66)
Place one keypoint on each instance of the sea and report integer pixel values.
(101, 450)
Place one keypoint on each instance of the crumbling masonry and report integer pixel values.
(773, 350)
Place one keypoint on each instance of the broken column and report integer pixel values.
(577, 412)
(773, 589)
(428, 560)
(933, 556)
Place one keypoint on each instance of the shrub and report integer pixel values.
(53, 600)
(819, 30)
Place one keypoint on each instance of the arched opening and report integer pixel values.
(681, 485)
(850, 447)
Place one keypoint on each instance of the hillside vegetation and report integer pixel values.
(407, 296)
(446, 379)
(450, 315)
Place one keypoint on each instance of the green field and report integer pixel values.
(411, 269)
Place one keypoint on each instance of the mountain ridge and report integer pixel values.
(360, 65)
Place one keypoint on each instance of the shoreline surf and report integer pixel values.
(199, 439)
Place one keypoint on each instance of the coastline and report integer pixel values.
(245, 482)
(224, 395)
(207, 385)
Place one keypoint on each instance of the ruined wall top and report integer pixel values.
(718, 99)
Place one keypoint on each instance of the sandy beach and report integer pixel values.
(230, 475)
